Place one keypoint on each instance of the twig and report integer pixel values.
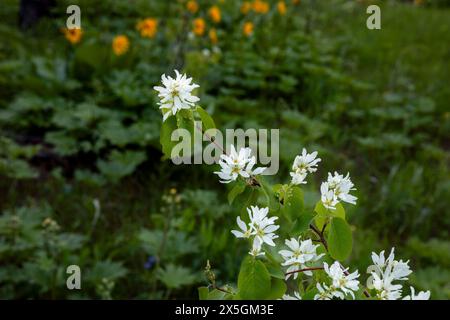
(210, 139)
(324, 242)
(221, 289)
(303, 270)
(320, 235)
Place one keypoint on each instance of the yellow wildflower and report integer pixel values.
(73, 35)
(260, 6)
(192, 6)
(199, 26)
(246, 7)
(214, 14)
(147, 27)
(120, 45)
(213, 36)
(248, 29)
(281, 6)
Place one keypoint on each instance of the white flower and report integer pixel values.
(304, 163)
(263, 227)
(384, 272)
(386, 290)
(328, 197)
(342, 280)
(337, 187)
(237, 164)
(325, 292)
(301, 253)
(246, 231)
(256, 248)
(342, 186)
(295, 297)
(176, 94)
(422, 295)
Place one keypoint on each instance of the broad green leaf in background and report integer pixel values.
(323, 213)
(302, 223)
(266, 190)
(275, 270)
(278, 289)
(339, 239)
(293, 202)
(207, 121)
(236, 190)
(253, 280)
(175, 277)
(167, 128)
(203, 293)
(120, 164)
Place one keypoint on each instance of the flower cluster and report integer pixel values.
(343, 283)
(237, 164)
(337, 188)
(176, 94)
(304, 164)
(384, 272)
(300, 254)
(260, 229)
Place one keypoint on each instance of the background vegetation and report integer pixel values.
(82, 180)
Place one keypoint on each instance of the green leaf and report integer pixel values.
(320, 209)
(302, 223)
(309, 294)
(339, 212)
(175, 277)
(293, 202)
(323, 213)
(246, 199)
(272, 201)
(120, 164)
(275, 270)
(216, 295)
(340, 240)
(254, 280)
(207, 121)
(237, 189)
(203, 293)
(277, 289)
(167, 128)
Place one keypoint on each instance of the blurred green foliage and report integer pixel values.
(79, 138)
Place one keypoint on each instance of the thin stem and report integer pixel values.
(320, 235)
(303, 270)
(324, 242)
(221, 289)
(211, 139)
